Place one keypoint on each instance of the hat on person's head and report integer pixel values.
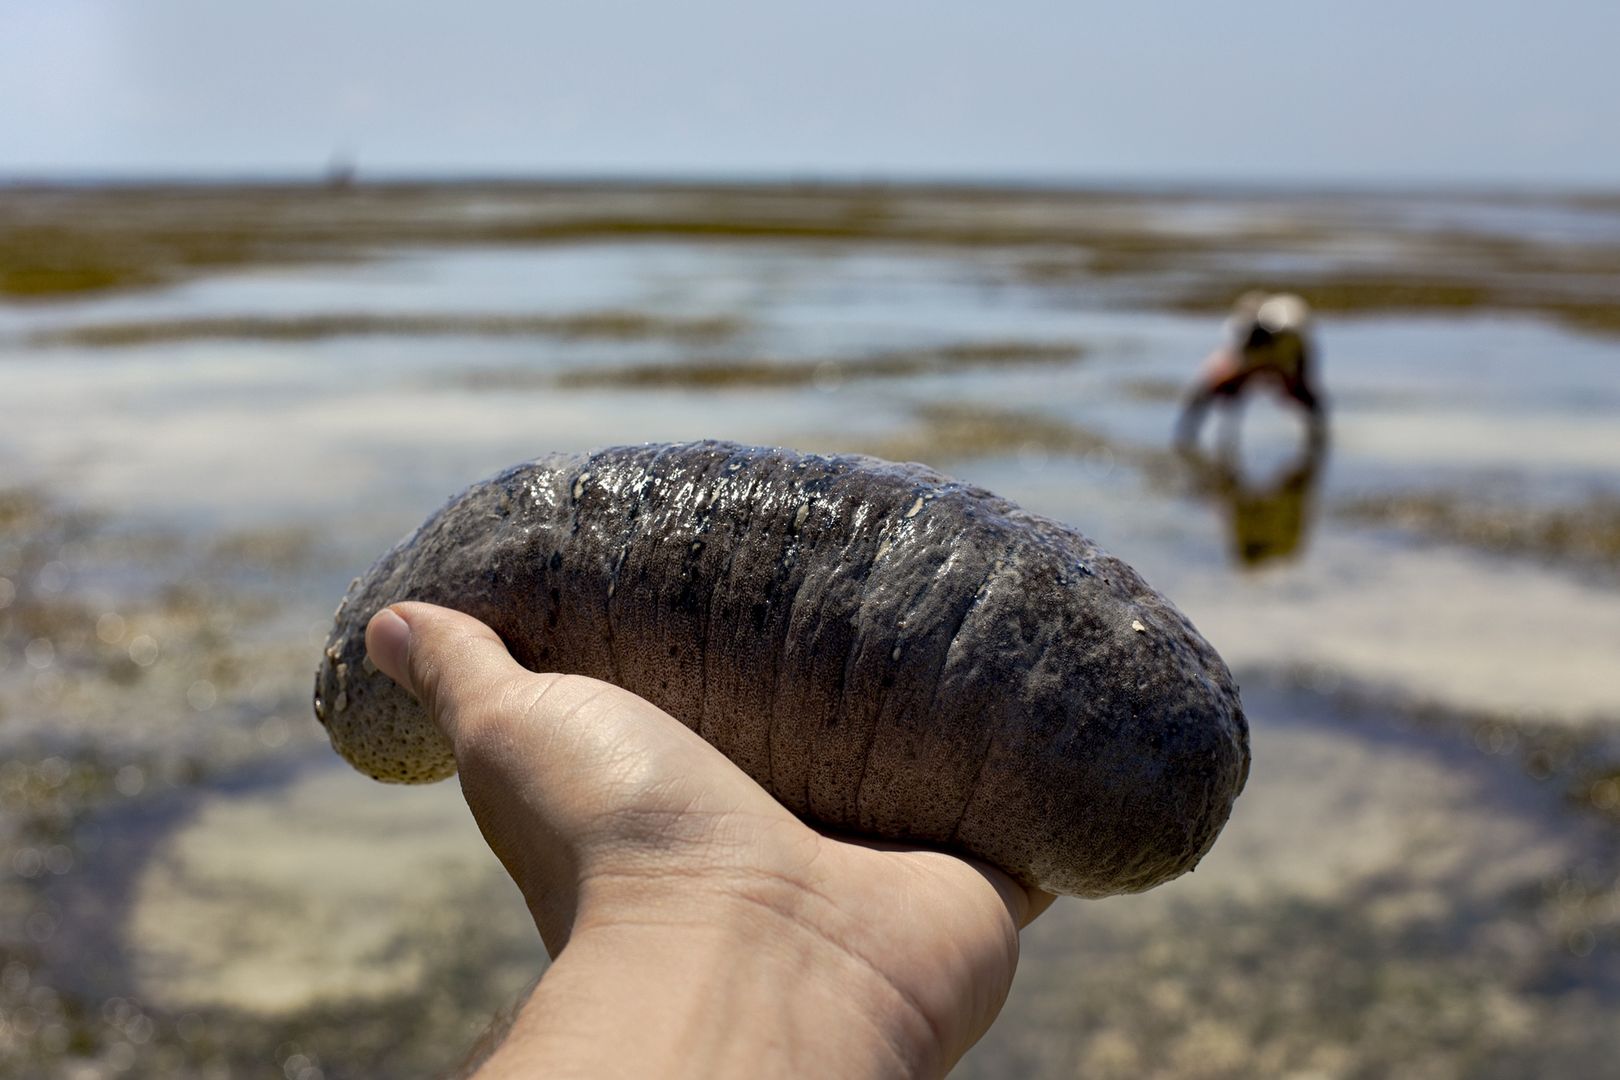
(1284, 312)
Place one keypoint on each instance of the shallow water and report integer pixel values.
(1422, 874)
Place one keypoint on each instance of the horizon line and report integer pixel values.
(629, 178)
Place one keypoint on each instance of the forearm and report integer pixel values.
(1192, 415)
(735, 996)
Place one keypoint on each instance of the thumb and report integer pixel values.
(451, 662)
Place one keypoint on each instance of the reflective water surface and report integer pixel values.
(1422, 878)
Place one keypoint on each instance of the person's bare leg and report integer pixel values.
(1191, 420)
(1222, 381)
(1301, 391)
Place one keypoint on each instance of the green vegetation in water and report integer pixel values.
(1266, 524)
(1582, 761)
(65, 242)
(474, 967)
(116, 703)
(98, 242)
(604, 325)
(1357, 294)
(1297, 986)
(1600, 790)
(1435, 272)
(1587, 533)
(1436, 973)
(943, 433)
(776, 374)
(1153, 391)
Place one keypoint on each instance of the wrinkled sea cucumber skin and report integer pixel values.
(886, 650)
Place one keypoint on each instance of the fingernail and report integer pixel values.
(388, 642)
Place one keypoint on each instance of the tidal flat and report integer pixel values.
(221, 403)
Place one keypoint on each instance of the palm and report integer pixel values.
(639, 795)
(604, 808)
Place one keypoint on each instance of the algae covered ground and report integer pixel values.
(221, 403)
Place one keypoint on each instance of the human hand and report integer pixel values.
(697, 926)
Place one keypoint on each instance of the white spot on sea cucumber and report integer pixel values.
(367, 666)
(915, 507)
(614, 584)
(1136, 624)
(801, 516)
(579, 484)
(340, 702)
(895, 655)
(734, 466)
(342, 674)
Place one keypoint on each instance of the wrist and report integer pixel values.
(714, 983)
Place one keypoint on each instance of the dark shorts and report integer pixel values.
(1236, 382)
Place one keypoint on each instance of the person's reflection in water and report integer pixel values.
(1268, 520)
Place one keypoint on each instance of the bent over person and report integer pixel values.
(1268, 340)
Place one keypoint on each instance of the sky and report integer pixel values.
(1376, 91)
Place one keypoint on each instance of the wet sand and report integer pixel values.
(200, 446)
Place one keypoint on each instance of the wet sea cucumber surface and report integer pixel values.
(885, 649)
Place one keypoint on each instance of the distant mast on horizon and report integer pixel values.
(340, 170)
